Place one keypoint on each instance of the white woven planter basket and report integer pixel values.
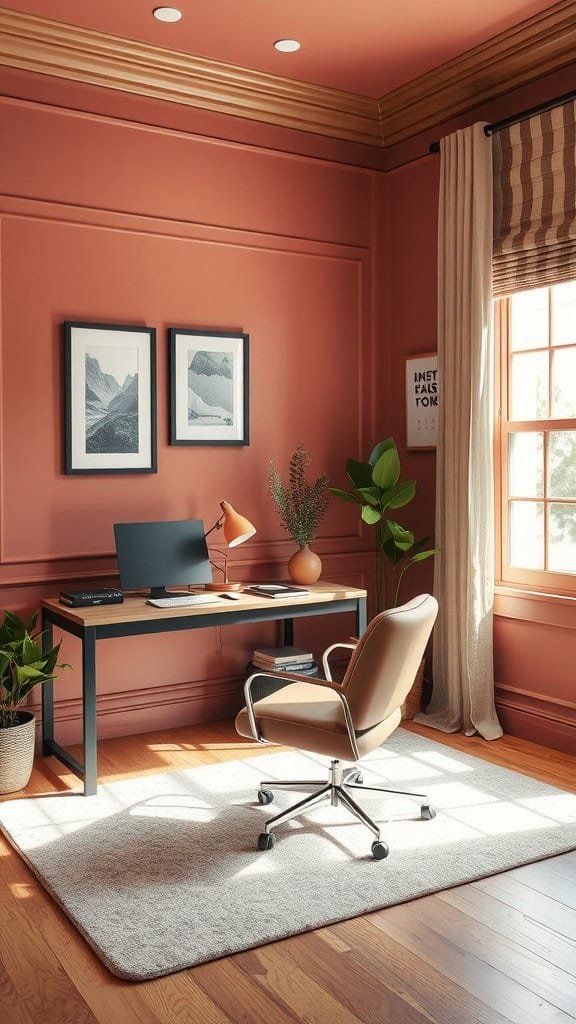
(17, 754)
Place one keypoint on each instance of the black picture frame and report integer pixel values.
(193, 419)
(98, 439)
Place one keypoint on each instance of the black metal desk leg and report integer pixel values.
(47, 689)
(89, 712)
(361, 616)
(288, 633)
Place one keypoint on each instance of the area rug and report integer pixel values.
(162, 872)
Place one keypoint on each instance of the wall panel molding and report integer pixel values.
(84, 55)
(51, 567)
(263, 564)
(148, 708)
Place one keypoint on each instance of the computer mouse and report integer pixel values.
(230, 596)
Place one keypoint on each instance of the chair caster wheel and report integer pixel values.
(379, 850)
(427, 812)
(265, 796)
(266, 840)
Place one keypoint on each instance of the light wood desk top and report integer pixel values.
(134, 608)
(135, 617)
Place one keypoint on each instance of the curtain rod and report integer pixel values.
(497, 126)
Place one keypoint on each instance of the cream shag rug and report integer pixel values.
(162, 872)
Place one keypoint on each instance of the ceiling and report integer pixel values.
(363, 46)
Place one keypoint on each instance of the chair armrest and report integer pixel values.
(294, 678)
(351, 646)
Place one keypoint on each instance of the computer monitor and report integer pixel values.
(156, 555)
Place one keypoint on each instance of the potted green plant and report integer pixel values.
(23, 665)
(378, 491)
(302, 506)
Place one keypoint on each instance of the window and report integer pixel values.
(536, 468)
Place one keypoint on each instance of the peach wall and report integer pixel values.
(534, 637)
(106, 218)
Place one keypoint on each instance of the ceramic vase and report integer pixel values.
(304, 566)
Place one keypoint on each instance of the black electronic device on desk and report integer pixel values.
(157, 555)
(83, 598)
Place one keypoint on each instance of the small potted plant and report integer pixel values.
(302, 506)
(23, 665)
(378, 490)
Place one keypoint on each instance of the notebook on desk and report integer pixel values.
(276, 590)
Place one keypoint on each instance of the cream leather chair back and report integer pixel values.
(383, 666)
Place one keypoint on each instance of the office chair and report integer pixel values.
(344, 720)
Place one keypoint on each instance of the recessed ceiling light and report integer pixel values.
(287, 45)
(167, 13)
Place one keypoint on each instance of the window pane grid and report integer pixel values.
(538, 475)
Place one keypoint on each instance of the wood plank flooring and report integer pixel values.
(492, 952)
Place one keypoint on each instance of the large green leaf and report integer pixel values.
(31, 651)
(50, 659)
(14, 624)
(26, 672)
(24, 690)
(371, 495)
(371, 515)
(379, 449)
(360, 473)
(393, 553)
(421, 556)
(387, 470)
(346, 495)
(403, 539)
(400, 495)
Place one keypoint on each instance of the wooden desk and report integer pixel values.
(134, 617)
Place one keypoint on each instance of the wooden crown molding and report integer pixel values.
(84, 55)
(520, 55)
(516, 57)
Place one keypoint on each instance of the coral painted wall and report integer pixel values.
(112, 213)
(118, 209)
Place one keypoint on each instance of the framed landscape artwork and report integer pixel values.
(209, 387)
(110, 374)
(422, 398)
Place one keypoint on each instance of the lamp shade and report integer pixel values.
(236, 528)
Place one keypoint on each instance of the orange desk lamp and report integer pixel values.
(236, 529)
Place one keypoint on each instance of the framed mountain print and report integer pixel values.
(110, 379)
(209, 387)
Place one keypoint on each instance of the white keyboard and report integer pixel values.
(183, 602)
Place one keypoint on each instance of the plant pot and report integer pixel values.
(304, 566)
(412, 706)
(17, 753)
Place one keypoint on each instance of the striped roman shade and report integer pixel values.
(535, 201)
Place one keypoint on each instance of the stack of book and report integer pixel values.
(283, 659)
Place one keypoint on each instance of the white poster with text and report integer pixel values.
(422, 401)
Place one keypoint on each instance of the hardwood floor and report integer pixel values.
(491, 952)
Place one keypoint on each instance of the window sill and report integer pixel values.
(517, 602)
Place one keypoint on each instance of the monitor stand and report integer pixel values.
(156, 592)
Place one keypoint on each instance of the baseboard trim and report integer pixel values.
(148, 708)
(537, 717)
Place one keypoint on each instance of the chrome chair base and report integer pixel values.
(337, 791)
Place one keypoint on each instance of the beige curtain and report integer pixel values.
(535, 201)
(463, 691)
